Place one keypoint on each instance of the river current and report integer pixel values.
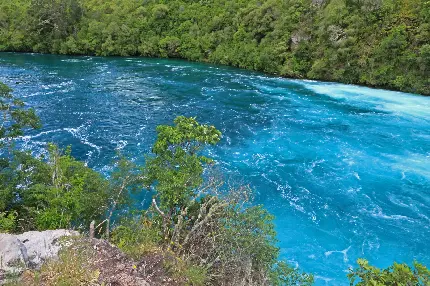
(345, 169)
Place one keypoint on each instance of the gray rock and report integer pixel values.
(30, 249)
(336, 33)
(318, 3)
(298, 37)
(13, 255)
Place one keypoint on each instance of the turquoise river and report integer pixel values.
(345, 169)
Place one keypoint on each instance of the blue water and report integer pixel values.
(345, 169)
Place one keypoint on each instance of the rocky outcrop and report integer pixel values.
(29, 249)
(318, 3)
(25, 253)
(336, 33)
(299, 36)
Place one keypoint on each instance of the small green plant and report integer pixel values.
(189, 274)
(284, 274)
(195, 275)
(7, 222)
(74, 266)
(137, 237)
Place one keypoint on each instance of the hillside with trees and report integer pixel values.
(200, 229)
(381, 43)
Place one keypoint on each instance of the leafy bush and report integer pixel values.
(191, 275)
(59, 193)
(7, 222)
(137, 237)
(396, 274)
(204, 224)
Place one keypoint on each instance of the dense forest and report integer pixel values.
(383, 43)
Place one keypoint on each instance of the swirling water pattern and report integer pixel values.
(345, 169)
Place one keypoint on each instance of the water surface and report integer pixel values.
(345, 169)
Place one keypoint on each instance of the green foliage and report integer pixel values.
(7, 221)
(14, 116)
(137, 236)
(396, 274)
(191, 275)
(195, 275)
(284, 274)
(203, 224)
(59, 193)
(176, 169)
(377, 43)
(51, 22)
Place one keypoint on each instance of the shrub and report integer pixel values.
(7, 222)
(58, 193)
(204, 223)
(137, 237)
(396, 274)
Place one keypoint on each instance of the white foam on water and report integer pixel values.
(313, 165)
(325, 279)
(398, 201)
(73, 60)
(78, 132)
(378, 213)
(121, 144)
(424, 217)
(411, 163)
(353, 190)
(344, 252)
(356, 175)
(369, 245)
(383, 100)
(297, 207)
(86, 142)
(29, 137)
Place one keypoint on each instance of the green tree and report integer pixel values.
(15, 119)
(52, 21)
(204, 224)
(177, 167)
(59, 193)
(124, 181)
